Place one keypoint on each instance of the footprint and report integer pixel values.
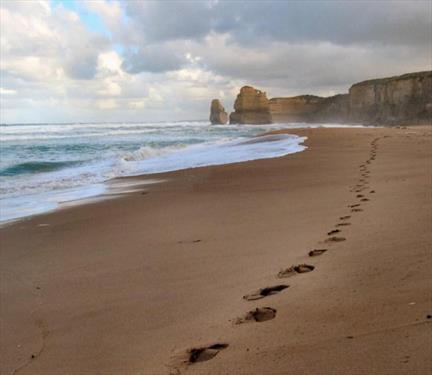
(345, 217)
(303, 268)
(334, 231)
(354, 205)
(205, 353)
(372, 191)
(291, 271)
(260, 314)
(191, 241)
(316, 252)
(359, 196)
(287, 272)
(335, 239)
(365, 200)
(342, 224)
(264, 292)
(356, 210)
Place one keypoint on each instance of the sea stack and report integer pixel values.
(218, 116)
(400, 100)
(251, 107)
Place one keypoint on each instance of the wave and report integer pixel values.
(36, 167)
(147, 152)
(223, 151)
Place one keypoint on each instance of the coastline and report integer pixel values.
(25, 192)
(128, 285)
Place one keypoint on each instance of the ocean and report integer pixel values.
(43, 166)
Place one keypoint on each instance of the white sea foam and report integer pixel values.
(216, 154)
(100, 152)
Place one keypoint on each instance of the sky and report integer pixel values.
(108, 60)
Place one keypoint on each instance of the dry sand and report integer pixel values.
(129, 286)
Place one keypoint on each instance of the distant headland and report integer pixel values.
(405, 99)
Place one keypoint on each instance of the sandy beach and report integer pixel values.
(153, 282)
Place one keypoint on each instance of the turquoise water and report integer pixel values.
(44, 165)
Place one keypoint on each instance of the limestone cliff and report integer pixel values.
(405, 99)
(217, 113)
(394, 100)
(251, 107)
(295, 109)
(309, 108)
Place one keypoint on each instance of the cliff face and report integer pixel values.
(310, 108)
(217, 113)
(295, 109)
(395, 100)
(405, 99)
(334, 109)
(251, 107)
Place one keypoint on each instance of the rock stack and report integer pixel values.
(401, 100)
(251, 107)
(217, 113)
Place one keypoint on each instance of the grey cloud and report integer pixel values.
(81, 67)
(168, 26)
(155, 59)
(169, 20)
(397, 22)
(294, 68)
(80, 54)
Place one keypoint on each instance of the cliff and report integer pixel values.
(251, 107)
(405, 99)
(217, 113)
(309, 108)
(394, 100)
(296, 109)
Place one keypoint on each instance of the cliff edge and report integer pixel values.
(394, 100)
(405, 99)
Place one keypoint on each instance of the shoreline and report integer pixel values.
(15, 208)
(101, 190)
(130, 285)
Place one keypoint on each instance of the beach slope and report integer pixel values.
(153, 282)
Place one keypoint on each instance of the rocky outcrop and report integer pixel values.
(395, 100)
(217, 113)
(251, 107)
(333, 109)
(405, 99)
(295, 109)
(309, 108)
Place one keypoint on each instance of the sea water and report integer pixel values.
(45, 165)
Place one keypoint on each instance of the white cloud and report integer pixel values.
(106, 104)
(166, 60)
(7, 91)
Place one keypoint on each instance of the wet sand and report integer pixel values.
(153, 282)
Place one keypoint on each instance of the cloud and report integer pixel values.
(307, 45)
(106, 60)
(7, 91)
(339, 22)
(153, 58)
